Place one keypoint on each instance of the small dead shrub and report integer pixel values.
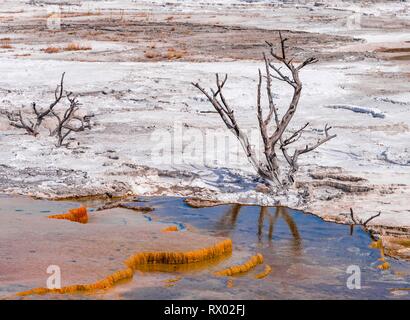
(5, 43)
(174, 54)
(51, 50)
(150, 54)
(76, 47)
(67, 120)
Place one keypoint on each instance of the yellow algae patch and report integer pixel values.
(181, 268)
(384, 266)
(229, 283)
(77, 215)
(172, 282)
(245, 267)
(201, 203)
(105, 283)
(377, 244)
(170, 229)
(264, 273)
(400, 273)
(399, 289)
(222, 248)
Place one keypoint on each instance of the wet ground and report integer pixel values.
(309, 257)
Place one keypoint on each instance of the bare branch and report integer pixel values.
(227, 115)
(69, 122)
(307, 62)
(319, 142)
(295, 136)
(352, 216)
(16, 118)
(371, 218)
(364, 224)
(272, 137)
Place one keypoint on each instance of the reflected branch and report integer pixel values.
(228, 221)
(262, 213)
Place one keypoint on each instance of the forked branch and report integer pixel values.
(363, 223)
(217, 99)
(17, 120)
(272, 126)
(69, 121)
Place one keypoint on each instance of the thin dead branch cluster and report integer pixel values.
(66, 122)
(363, 223)
(273, 127)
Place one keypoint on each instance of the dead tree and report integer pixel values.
(69, 121)
(17, 120)
(272, 127)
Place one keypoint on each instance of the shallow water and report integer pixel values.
(309, 257)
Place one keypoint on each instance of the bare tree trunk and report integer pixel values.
(269, 169)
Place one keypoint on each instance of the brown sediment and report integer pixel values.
(88, 197)
(136, 208)
(170, 229)
(397, 246)
(118, 204)
(401, 57)
(242, 268)
(264, 273)
(77, 215)
(201, 203)
(335, 176)
(349, 188)
(394, 50)
(144, 258)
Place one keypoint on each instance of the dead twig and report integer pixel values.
(364, 224)
(69, 121)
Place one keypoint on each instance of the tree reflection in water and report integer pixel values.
(228, 223)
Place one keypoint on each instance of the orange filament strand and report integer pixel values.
(242, 268)
(77, 215)
(170, 229)
(105, 283)
(222, 248)
(264, 273)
